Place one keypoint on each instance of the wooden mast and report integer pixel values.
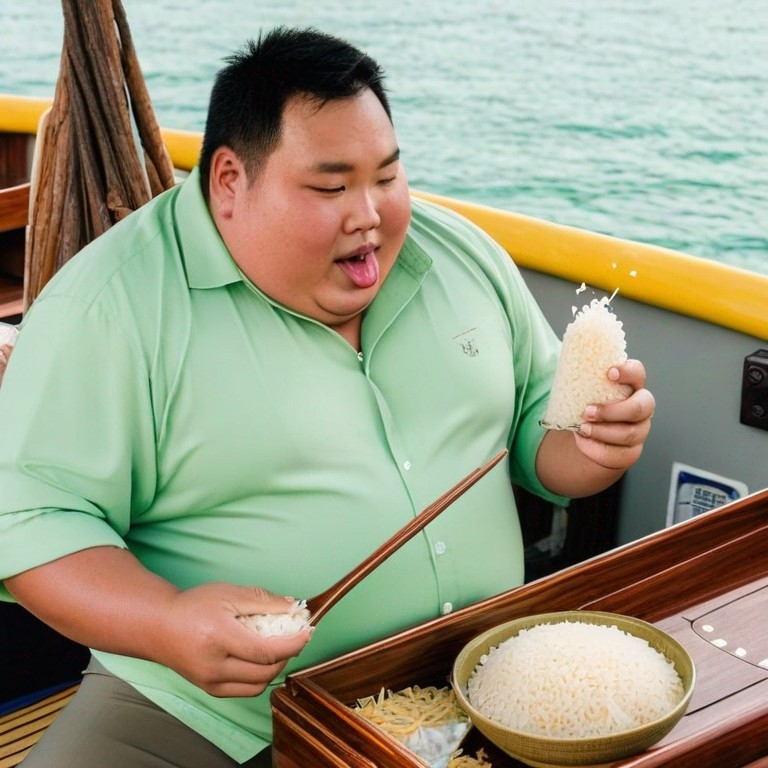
(99, 154)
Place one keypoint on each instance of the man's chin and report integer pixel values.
(349, 306)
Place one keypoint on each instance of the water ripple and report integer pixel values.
(639, 118)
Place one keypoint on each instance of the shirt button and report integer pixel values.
(440, 548)
(360, 356)
(406, 465)
(447, 608)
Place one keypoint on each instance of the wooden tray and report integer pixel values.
(704, 581)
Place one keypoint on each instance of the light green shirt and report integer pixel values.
(157, 400)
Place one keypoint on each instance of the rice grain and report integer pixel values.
(273, 624)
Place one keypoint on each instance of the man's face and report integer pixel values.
(322, 224)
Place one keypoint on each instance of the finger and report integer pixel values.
(229, 690)
(617, 434)
(238, 678)
(608, 455)
(638, 407)
(251, 665)
(247, 645)
(630, 372)
(251, 674)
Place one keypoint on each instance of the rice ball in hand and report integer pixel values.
(592, 343)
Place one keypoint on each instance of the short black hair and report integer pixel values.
(249, 95)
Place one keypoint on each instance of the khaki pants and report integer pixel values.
(109, 724)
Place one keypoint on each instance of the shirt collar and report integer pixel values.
(207, 260)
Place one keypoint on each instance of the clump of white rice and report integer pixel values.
(574, 680)
(592, 343)
(8, 334)
(272, 624)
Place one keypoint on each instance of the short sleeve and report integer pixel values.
(77, 451)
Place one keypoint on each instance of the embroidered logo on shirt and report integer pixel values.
(467, 340)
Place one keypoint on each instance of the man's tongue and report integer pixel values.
(363, 271)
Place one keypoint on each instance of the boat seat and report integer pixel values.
(20, 730)
(14, 207)
(14, 211)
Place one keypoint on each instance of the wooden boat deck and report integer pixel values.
(21, 730)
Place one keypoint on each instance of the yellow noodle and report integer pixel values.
(458, 760)
(403, 713)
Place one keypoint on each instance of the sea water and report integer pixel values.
(643, 119)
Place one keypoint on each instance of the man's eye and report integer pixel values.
(387, 181)
(328, 190)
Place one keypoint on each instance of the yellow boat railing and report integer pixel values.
(688, 285)
(708, 290)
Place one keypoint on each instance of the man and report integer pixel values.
(256, 379)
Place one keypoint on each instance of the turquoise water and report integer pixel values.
(644, 119)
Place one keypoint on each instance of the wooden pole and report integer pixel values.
(99, 155)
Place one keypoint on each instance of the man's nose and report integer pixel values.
(363, 214)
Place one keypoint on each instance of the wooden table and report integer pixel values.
(704, 581)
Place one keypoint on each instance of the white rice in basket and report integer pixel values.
(574, 680)
(592, 343)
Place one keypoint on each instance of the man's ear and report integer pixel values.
(227, 176)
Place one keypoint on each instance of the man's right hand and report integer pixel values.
(203, 640)
(104, 598)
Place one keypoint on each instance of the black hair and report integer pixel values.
(249, 95)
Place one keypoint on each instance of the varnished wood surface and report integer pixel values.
(15, 158)
(732, 628)
(14, 212)
(21, 730)
(714, 564)
(11, 297)
(300, 741)
(14, 207)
